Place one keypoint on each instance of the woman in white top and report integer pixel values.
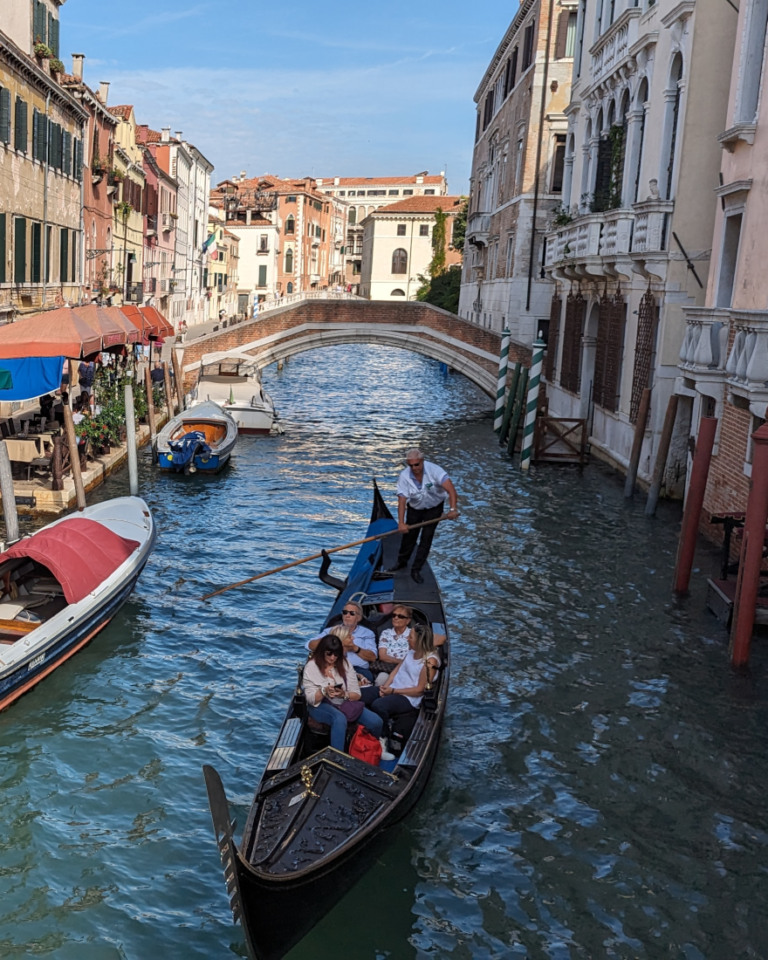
(405, 686)
(330, 680)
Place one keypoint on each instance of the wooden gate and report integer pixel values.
(560, 440)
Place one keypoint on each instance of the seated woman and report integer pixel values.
(393, 642)
(329, 680)
(400, 697)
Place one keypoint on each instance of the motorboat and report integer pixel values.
(200, 438)
(231, 379)
(320, 818)
(63, 584)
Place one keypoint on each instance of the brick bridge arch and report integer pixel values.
(311, 322)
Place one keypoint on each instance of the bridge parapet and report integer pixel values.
(314, 322)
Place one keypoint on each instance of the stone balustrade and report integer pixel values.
(478, 227)
(747, 366)
(614, 45)
(705, 345)
(651, 219)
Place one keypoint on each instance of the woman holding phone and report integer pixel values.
(329, 681)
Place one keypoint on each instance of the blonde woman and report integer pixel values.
(393, 642)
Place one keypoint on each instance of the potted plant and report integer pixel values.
(57, 68)
(42, 51)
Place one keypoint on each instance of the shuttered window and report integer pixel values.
(77, 161)
(19, 250)
(513, 69)
(48, 240)
(66, 153)
(73, 274)
(528, 45)
(37, 235)
(553, 339)
(3, 228)
(570, 368)
(40, 22)
(55, 145)
(53, 34)
(63, 255)
(20, 140)
(39, 136)
(5, 115)
(262, 276)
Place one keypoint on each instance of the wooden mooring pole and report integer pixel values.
(151, 413)
(9, 497)
(518, 411)
(637, 442)
(694, 503)
(130, 441)
(510, 404)
(74, 457)
(661, 456)
(177, 378)
(168, 394)
(751, 561)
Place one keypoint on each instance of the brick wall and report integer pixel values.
(355, 311)
(728, 487)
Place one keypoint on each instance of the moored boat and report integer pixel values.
(231, 379)
(320, 817)
(201, 438)
(60, 586)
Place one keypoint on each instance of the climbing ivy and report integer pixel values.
(460, 226)
(437, 266)
(616, 136)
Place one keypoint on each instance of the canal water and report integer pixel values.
(600, 791)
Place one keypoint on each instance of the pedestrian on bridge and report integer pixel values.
(422, 489)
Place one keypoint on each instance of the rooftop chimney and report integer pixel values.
(165, 135)
(335, 181)
(178, 135)
(242, 174)
(103, 91)
(77, 65)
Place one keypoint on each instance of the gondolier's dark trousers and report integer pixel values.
(412, 515)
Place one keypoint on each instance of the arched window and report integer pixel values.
(289, 288)
(290, 225)
(353, 215)
(671, 124)
(400, 261)
(398, 293)
(289, 260)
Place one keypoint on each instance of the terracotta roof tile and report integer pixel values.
(421, 205)
(123, 111)
(374, 181)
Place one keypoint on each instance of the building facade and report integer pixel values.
(631, 247)
(398, 246)
(98, 202)
(518, 166)
(126, 182)
(41, 150)
(724, 356)
(360, 196)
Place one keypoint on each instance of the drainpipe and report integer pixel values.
(82, 211)
(538, 156)
(46, 251)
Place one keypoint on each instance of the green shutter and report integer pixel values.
(20, 140)
(19, 250)
(40, 22)
(48, 241)
(2, 247)
(66, 152)
(53, 34)
(63, 255)
(262, 276)
(36, 134)
(37, 234)
(73, 275)
(5, 115)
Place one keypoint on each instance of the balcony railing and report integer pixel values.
(747, 364)
(478, 227)
(614, 45)
(135, 293)
(705, 344)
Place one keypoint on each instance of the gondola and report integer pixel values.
(320, 818)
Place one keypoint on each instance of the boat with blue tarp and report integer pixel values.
(198, 439)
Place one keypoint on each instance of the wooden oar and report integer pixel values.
(316, 556)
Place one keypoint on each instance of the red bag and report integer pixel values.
(365, 747)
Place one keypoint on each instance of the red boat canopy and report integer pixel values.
(80, 553)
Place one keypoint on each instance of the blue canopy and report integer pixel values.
(29, 377)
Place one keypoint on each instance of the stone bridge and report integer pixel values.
(310, 321)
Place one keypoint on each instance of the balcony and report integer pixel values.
(614, 45)
(651, 221)
(478, 228)
(169, 222)
(746, 370)
(134, 293)
(705, 345)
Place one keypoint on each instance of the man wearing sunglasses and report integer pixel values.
(422, 489)
(361, 649)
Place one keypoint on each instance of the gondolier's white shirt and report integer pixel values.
(429, 493)
(363, 637)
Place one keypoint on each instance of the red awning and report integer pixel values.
(57, 333)
(131, 332)
(80, 553)
(142, 323)
(164, 328)
(112, 333)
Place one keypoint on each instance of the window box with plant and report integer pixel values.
(42, 51)
(56, 67)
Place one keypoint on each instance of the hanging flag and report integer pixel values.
(210, 244)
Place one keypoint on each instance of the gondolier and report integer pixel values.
(422, 489)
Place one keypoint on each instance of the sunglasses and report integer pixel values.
(400, 616)
(350, 613)
(330, 653)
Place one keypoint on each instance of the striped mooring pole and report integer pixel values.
(501, 384)
(537, 361)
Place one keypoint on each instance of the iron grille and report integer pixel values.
(647, 321)
(609, 350)
(570, 368)
(553, 339)
(135, 293)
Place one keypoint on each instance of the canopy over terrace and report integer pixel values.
(57, 333)
(113, 334)
(148, 321)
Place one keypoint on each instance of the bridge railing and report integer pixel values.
(292, 298)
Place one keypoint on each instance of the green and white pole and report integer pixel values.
(502, 381)
(537, 361)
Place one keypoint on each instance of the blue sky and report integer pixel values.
(336, 88)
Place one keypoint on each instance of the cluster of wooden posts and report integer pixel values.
(514, 408)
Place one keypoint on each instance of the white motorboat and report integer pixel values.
(200, 438)
(62, 585)
(231, 380)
